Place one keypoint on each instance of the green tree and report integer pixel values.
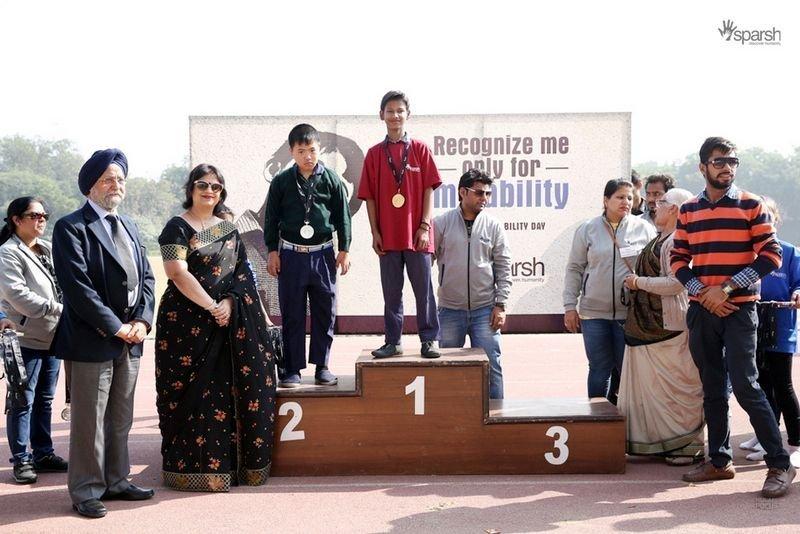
(151, 203)
(49, 169)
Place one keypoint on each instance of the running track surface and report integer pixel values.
(649, 497)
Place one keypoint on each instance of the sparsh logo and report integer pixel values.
(727, 29)
(731, 32)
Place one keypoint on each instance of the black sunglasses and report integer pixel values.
(35, 215)
(719, 163)
(202, 186)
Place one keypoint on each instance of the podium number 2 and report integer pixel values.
(560, 444)
(417, 387)
(289, 433)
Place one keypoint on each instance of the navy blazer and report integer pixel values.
(95, 290)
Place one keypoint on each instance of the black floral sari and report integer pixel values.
(215, 385)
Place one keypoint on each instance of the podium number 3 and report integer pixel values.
(289, 433)
(560, 444)
(417, 387)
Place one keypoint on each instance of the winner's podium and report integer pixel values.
(411, 416)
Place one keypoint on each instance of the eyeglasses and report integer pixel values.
(719, 163)
(108, 181)
(480, 192)
(202, 186)
(662, 203)
(35, 216)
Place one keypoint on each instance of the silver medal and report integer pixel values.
(306, 231)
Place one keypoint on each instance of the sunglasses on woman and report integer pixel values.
(202, 186)
(35, 215)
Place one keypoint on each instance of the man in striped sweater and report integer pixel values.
(724, 244)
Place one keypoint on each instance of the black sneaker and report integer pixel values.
(51, 464)
(323, 377)
(430, 349)
(24, 473)
(387, 351)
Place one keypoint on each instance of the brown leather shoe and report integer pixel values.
(778, 482)
(708, 471)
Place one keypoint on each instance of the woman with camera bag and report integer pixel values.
(31, 298)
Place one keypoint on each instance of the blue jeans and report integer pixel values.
(604, 341)
(456, 324)
(724, 350)
(31, 423)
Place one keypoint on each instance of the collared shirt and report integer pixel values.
(305, 183)
(286, 209)
(404, 139)
(732, 192)
(648, 216)
(103, 213)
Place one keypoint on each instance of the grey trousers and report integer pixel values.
(102, 415)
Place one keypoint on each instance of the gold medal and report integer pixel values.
(398, 200)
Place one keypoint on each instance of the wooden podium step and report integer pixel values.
(412, 416)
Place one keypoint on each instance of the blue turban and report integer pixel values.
(95, 166)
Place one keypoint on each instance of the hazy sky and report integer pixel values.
(129, 74)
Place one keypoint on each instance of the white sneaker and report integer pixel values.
(758, 455)
(794, 456)
(750, 445)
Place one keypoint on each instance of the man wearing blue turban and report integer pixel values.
(108, 309)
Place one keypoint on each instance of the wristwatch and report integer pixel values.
(501, 305)
(727, 288)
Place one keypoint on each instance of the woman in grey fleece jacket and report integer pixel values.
(594, 301)
(30, 296)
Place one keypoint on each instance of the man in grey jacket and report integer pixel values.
(474, 274)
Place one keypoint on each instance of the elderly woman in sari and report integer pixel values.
(215, 374)
(660, 391)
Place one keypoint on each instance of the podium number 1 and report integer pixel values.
(560, 444)
(417, 387)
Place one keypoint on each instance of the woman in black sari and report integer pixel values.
(214, 369)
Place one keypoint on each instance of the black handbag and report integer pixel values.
(14, 366)
(275, 340)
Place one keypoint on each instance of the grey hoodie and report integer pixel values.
(473, 272)
(596, 270)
